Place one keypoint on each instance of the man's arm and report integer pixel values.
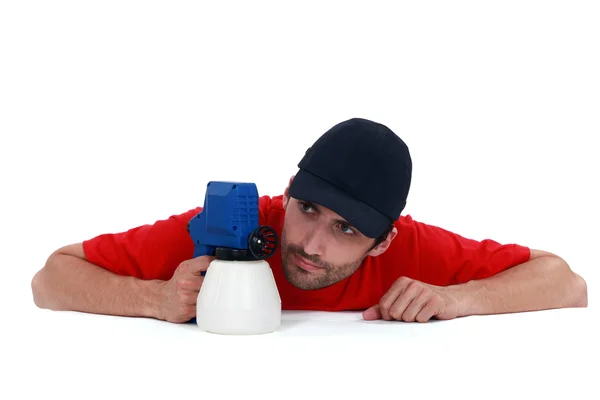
(544, 282)
(68, 282)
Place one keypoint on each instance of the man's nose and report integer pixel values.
(314, 242)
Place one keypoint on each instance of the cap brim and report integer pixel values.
(308, 187)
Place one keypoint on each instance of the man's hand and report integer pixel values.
(409, 300)
(180, 293)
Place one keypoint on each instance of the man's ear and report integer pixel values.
(286, 192)
(383, 246)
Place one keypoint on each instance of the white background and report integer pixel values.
(115, 114)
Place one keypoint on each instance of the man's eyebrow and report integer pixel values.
(339, 221)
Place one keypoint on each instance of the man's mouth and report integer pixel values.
(305, 264)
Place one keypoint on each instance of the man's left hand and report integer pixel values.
(410, 300)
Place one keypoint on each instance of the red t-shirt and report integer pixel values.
(419, 251)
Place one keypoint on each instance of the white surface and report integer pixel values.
(239, 298)
(115, 114)
(550, 354)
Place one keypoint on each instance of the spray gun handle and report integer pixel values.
(202, 250)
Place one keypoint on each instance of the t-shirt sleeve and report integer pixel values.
(437, 256)
(151, 251)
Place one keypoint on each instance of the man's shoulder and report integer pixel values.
(414, 234)
(271, 203)
(407, 223)
(270, 209)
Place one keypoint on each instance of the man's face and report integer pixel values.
(318, 247)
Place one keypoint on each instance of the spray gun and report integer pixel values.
(239, 294)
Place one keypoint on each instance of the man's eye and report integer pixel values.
(305, 207)
(346, 229)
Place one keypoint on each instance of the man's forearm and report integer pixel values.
(539, 284)
(69, 283)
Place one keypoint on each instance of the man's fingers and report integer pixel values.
(189, 297)
(190, 282)
(187, 312)
(372, 313)
(416, 306)
(197, 265)
(391, 295)
(188, 288)
(399, 304)
(429, 310)
(200, 264)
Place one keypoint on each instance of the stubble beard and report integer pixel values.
(306, 280)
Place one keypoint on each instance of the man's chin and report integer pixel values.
(301, 285)
(304, 285)
(302, 280)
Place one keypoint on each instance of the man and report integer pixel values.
(344, 246)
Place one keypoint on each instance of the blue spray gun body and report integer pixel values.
(228, 225)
